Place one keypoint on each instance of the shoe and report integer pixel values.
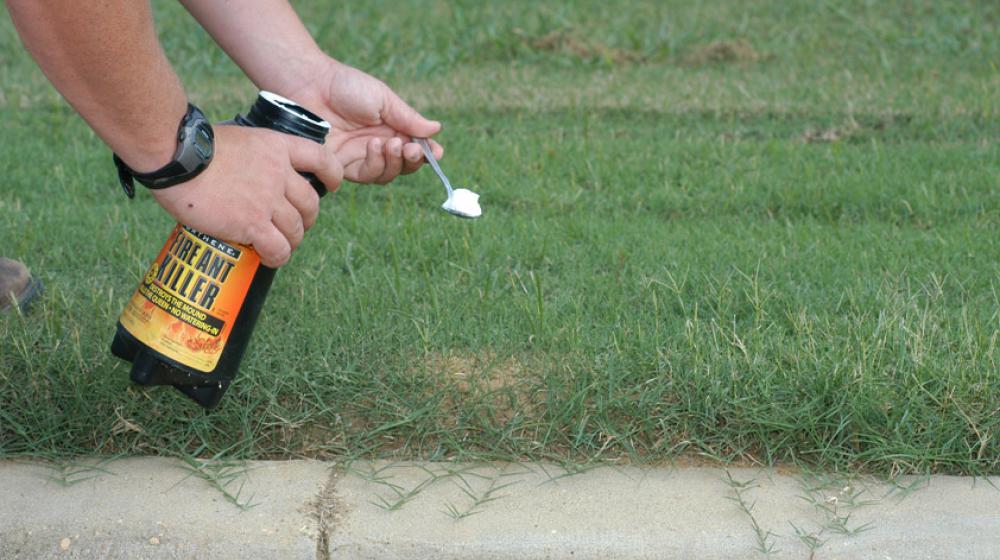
(17, 286)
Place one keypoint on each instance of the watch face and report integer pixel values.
(203, 142)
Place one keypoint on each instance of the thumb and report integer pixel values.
(306, 155)
(403, 118)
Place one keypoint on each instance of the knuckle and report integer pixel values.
(310, 205)
(257, 219)
(282, 255)
(309, 218)
(255, 227)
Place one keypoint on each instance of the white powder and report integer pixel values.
(463, 202)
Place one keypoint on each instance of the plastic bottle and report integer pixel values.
(189, 322)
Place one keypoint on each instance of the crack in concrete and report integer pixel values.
(327, 510)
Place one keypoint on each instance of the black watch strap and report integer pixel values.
(195, 148)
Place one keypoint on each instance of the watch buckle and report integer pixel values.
(125, 177)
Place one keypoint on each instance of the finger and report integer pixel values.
(413, 157)
(306, 155)
(373, 166)
(393, 161)
(400, 116)
(303, 197)
(289, 222)
(271, 245)
(437, 149)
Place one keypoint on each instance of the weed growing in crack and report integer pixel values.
(902, 488)
(220, 474)
(70, 472)
(765, 538)
(836, 499)
(400, 494)
(570, 469)
(477, 499)
(396, 496)
(812, 540)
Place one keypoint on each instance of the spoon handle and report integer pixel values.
(429, 155)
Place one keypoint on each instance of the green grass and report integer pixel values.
(780, 249)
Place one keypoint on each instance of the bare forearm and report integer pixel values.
(106, 61)
(371, 125)
(265, 38)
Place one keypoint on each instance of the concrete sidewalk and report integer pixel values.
(156, 508)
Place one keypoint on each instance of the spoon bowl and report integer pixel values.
(461, 202)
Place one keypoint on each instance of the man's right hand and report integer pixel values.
(252, 194)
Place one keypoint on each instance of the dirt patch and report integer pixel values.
(565, 42)
(831, 134)
(723, 52)
(465, 370)
(856, 128)
(499, 384)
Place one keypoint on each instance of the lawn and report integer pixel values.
(761, 232)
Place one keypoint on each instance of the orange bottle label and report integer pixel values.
(187, 303)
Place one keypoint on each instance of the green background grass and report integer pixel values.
(756, 231)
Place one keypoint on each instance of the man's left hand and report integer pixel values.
(372, 128)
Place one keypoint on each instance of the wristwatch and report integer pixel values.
(195, 148)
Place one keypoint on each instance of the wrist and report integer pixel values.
(151, 146)
(194, 147)
(306, 84)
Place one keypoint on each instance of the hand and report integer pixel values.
(371, 127)
(251, 193)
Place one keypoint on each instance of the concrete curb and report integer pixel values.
(156, 508)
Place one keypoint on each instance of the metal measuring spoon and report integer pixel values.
(461, 202)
